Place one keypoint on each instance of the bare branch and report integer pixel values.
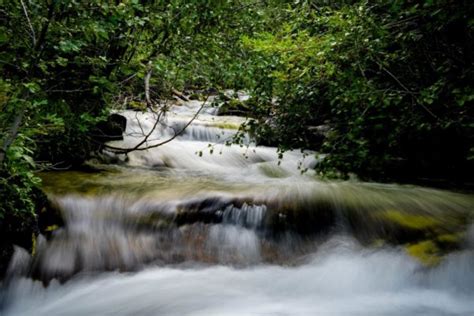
(139, 124)
(147, 85)
(44, 29)
(179, 94)
(33, 35)
(404, 87)
(13, 132)
(128, 78)
(120, 150)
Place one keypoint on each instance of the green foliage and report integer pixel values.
(65, 64)
(17, 180)
(390, 78)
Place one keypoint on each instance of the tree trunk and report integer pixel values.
(13, 132)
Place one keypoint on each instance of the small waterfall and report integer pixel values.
(126, 218)
(203, 146)
(246, 216)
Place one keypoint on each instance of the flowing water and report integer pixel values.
(197, 227)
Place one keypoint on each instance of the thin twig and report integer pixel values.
(408, 91)
(128, 78)
(139, 124)
(33, 35)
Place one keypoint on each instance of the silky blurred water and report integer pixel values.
(196, 227)
(340, 279)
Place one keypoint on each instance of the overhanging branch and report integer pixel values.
(119, 150)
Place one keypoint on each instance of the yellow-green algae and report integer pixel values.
(225, 125)
(442, 233)
(426, 252)
(33, 244)
(413, 221)
(51, 228)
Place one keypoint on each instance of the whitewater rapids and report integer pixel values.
(341, 279)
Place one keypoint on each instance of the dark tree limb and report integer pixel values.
(147, 86)
(32, 30)
(11, 136)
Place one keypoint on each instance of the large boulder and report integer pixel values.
(111, 129)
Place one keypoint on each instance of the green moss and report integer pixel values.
(226, 125)
(234, 106)
(33, 244)
(449, 238)
(137, 106)
(418, 222)
(427, 252)
(51, 228)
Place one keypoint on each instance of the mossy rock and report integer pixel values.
(197, 96)
(431, 252)
(412, 221)
(450, 239)
(427, 252)
(234, 107)
(136, 106)
(425, 236)
(226, 125)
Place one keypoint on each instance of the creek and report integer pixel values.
(201, 227)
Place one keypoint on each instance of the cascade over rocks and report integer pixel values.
(198, 199)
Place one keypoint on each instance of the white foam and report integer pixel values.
(344, 280)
